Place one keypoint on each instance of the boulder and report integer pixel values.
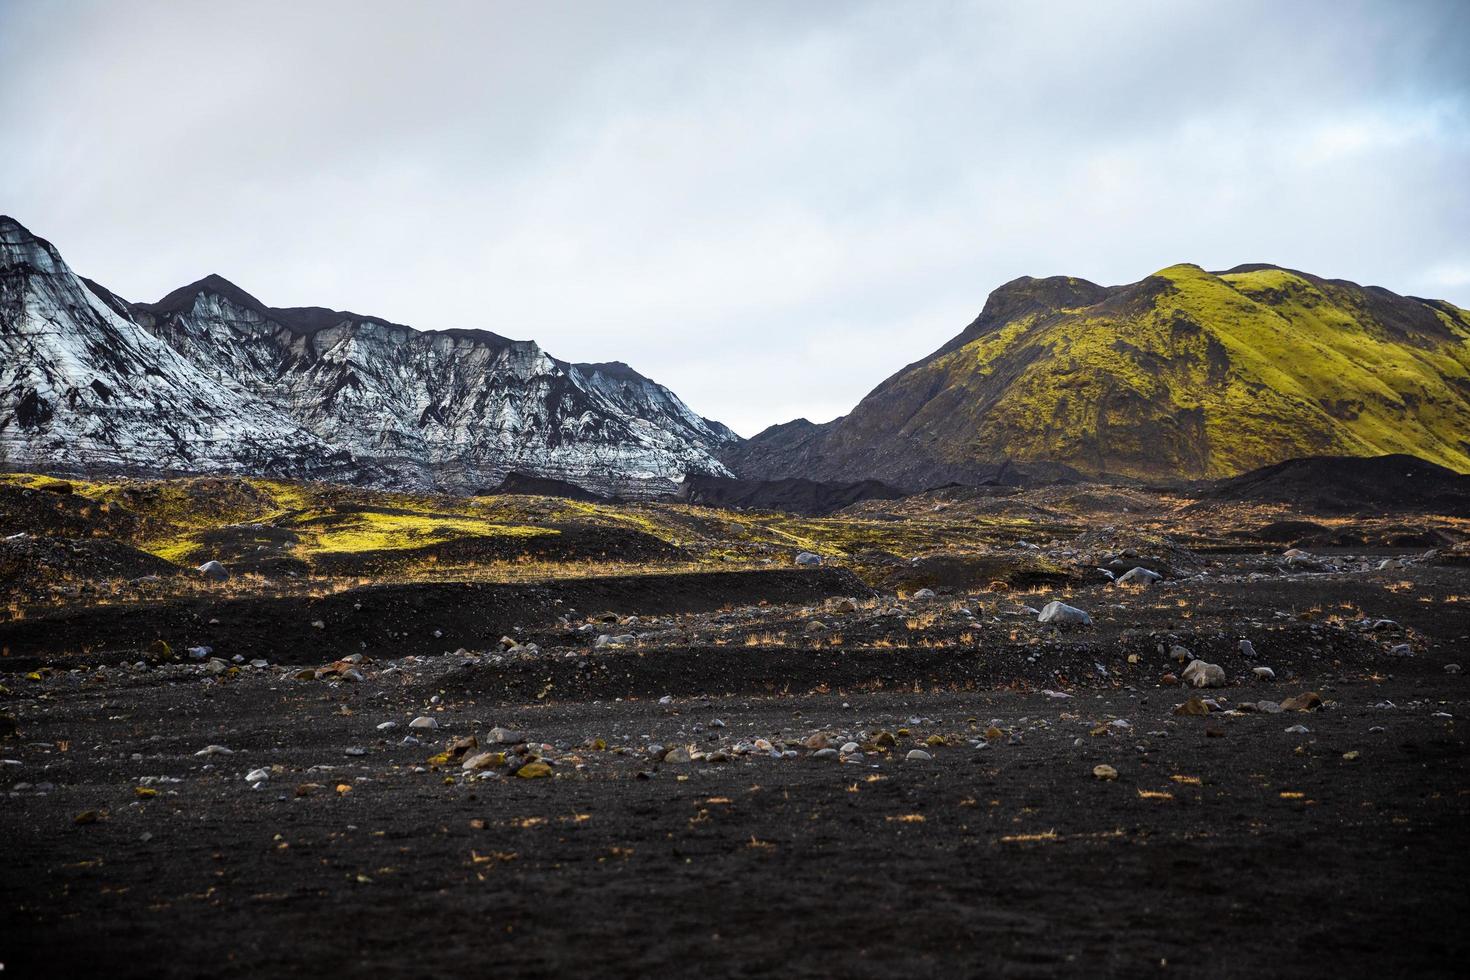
(1060, 614)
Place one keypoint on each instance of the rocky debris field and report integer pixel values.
(1237, 763)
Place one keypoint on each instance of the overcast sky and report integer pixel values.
(769, 207)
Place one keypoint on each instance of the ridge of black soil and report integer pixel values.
(391, 620)
(1351, 485)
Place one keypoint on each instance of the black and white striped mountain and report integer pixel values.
(211, 380)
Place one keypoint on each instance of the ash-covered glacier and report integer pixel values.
(209, 379)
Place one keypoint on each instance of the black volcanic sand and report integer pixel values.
(1226, 846)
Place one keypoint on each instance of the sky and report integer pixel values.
(768, 207)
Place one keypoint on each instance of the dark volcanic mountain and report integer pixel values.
(209, 379)
(1184, 374)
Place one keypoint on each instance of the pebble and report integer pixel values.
(1247, 649)
(825, 754)
(423, 722)
(1451, 668)
(1104, 771)
(806, 558)
(257, 775)
(918, 755)
(504, 736)
(1264, 673)
(1298, 730)
(215, 750)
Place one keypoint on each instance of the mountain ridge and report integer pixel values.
(389, 404)
(1183, 374)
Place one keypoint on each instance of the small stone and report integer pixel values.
(504, 736)
(807, 559)
(924, 594)
(1302, 702)
(917, 755)
(1201, 674)
(678, 755)
(1194, 706)
(1264, 673)
(257, 775)
(215, 750)
(1451, 668)
(1104, 771)
(534, 770)
(483, 760)
(423, 722)
(1247, 649)
(1298, 730)
(825, 754)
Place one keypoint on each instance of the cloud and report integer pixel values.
(768, 207)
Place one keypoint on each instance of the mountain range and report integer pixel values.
(210, 379)
(1186, 374)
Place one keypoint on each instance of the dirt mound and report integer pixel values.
(545, 486)
(1351, 485)
(251, 549)
(53, 509)
(794, 495)
(25, 559)
(945, 573)
(570, 543)
(394, 620)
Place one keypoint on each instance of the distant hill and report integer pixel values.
(794, 495)
(1343, 485)
(1185, 374)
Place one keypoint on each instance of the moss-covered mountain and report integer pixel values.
(1187, 373)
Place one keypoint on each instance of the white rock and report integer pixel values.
(918, 755)
(257, 775)
(1061, 614)
(1264, 673)
(422, 722)
(1140, 576)
(213, 571)
(1201, 674)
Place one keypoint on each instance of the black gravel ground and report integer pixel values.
(1225, 846)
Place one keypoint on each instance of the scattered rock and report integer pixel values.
(1306, 701)
(917, 755)
(1138, 576)
(808, 559)
(1060, 614)
(1201, 674)
(213, 571)
(1104, 771)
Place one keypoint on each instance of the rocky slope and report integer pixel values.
(1184, 374)
(210, 379)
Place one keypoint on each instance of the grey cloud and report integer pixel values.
(768, 207)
